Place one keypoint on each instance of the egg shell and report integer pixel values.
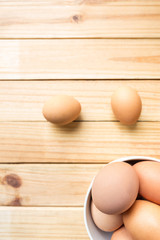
(149, 180)
(115, 188)
(61, 109)
(104, 221)
(126, 105)
(121, 234)
(142, 220)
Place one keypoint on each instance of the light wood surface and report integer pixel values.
(80, 59)
(79, 19)
(42, 223)
(88, 142)
(23, 100)
(86, 49)
(45, 185)
(73, 2)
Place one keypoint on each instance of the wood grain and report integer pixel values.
(79, 142)
(85, 2)
(79, 19)
(45, 185)
(23, 100)
(79, 59)
(81, 2)
(42, 223)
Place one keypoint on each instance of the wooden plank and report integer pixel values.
(23, 100)
(42, 223)
(94, 142)
(79, 19)
(82, 2)
(45, 185)
(80, 59)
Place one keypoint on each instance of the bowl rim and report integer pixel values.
(122, 159)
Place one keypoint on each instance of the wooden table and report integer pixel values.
(86, 49)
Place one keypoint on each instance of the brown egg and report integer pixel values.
(149, 180)
(142, 220)
(121, 234)
(115, 188)
(126, 105)
(61, 109)
(105, 222)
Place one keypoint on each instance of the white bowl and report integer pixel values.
(94, 232)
